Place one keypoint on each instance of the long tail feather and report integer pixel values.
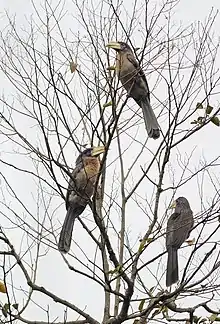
(150, 119)
(172, 267)
(67, 229)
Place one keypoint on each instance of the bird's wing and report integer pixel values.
(179, 226)
(187, 222)
(170, 237)
(132, 59)
(73, 182)
(81, 184)
(140, 72)
(174, 236)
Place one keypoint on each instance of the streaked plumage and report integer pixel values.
(80, 190)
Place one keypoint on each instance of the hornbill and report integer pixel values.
(80, 189)
(179, 226)
(135, 83)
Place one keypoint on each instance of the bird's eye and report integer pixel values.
(88, 152)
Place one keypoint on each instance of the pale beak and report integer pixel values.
(114, 45)
(98, 150)
(173, 205)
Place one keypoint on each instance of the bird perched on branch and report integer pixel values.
(134, 81)
(80, 190)
(179, 226)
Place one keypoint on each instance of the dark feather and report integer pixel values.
(140, 72)
(80, 190)
(172, 267)
(134, 81)
(179, 226)
(150, 119)
(67, 229)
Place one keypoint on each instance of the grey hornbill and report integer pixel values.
(80, 190)
(134, 81)
(179, 226)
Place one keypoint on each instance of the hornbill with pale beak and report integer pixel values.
(135, 83)
(80, 190)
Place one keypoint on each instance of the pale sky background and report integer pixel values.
(52, 271)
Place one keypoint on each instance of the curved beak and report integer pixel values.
(114, 45)
(98, 150)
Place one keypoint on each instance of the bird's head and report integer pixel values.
(90, 152)
(179, 204)
(119, 46)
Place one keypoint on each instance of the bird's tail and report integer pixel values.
(150, 119)
(67, 229)
(172, 267)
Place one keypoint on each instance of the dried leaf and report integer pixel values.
(73, 67)
(191, 242)
(215, 120)
(141, 305)
(2, 287)
(209, 110)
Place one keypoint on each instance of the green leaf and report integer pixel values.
(5, 309)
(111, 68)
(156, 312)
(215, 120)
(142, 245)
(116, 270)
(151, 289)
(199, 105)
(108, 104)
(213, 317)
(209, 110)
(136, 321)
(15, 306)
(141, 305)
(201, 120)
(165, 311)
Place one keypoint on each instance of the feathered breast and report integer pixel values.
(91, 167)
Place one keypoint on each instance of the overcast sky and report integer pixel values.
(53, 272)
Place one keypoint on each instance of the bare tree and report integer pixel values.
(61, 94)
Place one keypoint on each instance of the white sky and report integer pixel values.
(53, 272)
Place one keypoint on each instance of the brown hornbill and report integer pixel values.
(179, 226)
(80, 190)
(135, 83)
